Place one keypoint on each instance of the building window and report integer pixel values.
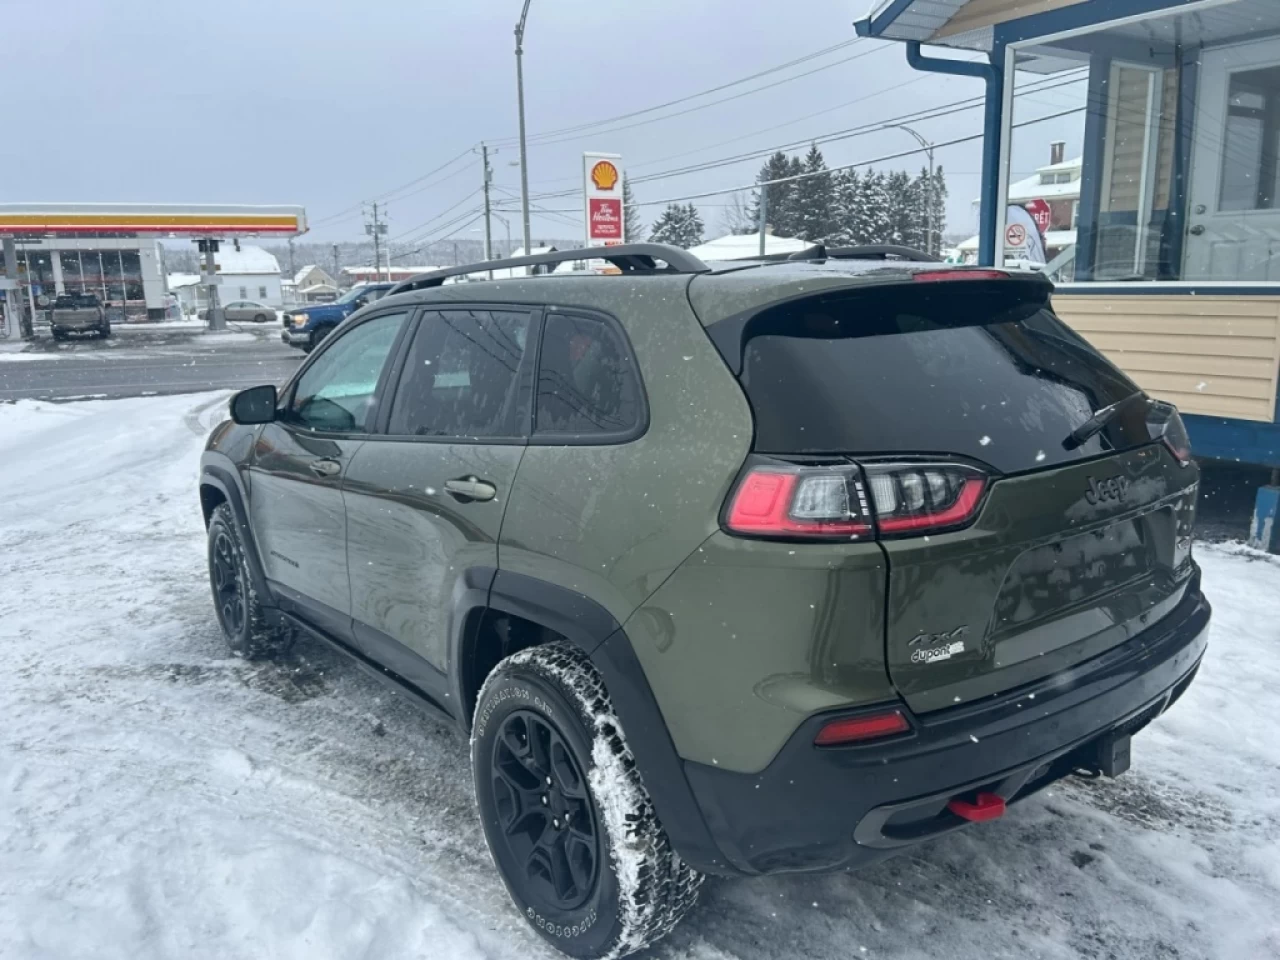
(244, 293)
(262, 293)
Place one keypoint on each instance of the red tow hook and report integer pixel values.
(988, 806)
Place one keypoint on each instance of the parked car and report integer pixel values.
(78, 313)
(305, 327)
(771, 568)
(249, 311)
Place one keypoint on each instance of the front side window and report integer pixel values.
(336, 394)
(587, 383)
(461, 378)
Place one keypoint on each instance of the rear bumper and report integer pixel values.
(828, 808)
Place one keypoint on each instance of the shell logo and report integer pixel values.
(604, 175)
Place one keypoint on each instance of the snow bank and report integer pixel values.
(159, 799)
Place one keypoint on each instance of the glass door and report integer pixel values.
(1233, 223)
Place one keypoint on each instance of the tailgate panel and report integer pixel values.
(1049, 575)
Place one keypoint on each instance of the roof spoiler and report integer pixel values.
(866, 251)
(637, 258)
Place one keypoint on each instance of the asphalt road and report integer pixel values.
(141, 361)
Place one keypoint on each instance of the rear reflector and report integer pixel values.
(861, 729)
(987, 806)
(936, 276)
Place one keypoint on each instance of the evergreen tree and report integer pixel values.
(633, 227)
(814, 199)
(939, 204)
(782, 215)
(680, 225)
(902, 209)
(848, 227)
(875, 206)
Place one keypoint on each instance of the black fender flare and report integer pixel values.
(227, 483)
(595, 631)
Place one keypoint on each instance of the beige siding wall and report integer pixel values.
(984, 13)
(1218, 356)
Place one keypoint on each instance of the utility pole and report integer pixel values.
(524, 159)
(293, 270)
(376, 230)
(488, 232)
(764, 214)
(213, 314)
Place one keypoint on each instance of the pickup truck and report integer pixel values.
(304, 327)
(78, 313)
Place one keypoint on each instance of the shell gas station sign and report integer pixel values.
(602, 191)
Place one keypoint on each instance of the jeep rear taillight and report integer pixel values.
(821, 503)
(1165, 422)
(924, 497)
(786, 502)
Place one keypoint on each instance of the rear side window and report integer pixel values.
(974, 369)
(587, 382)
(461, 378)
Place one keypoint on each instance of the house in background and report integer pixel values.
(186, 287)
(249, 273)
(312, 284)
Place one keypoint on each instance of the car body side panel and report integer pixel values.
(570, 521)
(299, 517)
(409, 540)
(749, 638)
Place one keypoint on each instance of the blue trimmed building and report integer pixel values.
(1175, 106)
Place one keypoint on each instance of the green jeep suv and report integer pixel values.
(777, 566)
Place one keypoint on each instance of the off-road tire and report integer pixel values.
(252, 634)
(641, 888)
(57, 333)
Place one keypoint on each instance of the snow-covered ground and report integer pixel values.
(159, 799)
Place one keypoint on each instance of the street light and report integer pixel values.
(524, 160)
(928, 149)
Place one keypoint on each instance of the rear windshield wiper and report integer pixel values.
(1098, 422)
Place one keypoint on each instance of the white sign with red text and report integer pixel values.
(602, 192)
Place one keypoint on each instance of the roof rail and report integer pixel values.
(627, 257)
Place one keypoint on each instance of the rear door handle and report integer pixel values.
(469, 488)
(325, 467)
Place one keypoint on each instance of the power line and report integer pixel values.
(929, 113)
(693, 96)
(842, 167)
(712, 103)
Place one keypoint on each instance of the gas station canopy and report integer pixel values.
(158, 220)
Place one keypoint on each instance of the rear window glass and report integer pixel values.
(981, 369)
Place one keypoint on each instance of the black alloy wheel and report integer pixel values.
(548, 828)
(228, 589)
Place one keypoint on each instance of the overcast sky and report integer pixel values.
(328, 103)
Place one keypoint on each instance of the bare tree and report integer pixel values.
(736, 216)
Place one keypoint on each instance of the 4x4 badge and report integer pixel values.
(1114, 488)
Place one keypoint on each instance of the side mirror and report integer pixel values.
(361, 302)
(255, 405)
